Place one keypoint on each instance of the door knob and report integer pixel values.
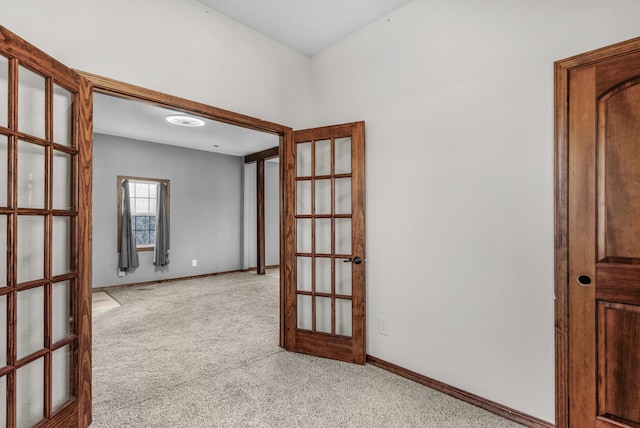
(355, 260)
(584, 280)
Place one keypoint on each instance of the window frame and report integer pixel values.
(147, 180)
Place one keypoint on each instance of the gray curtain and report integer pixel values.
(128, 251)
(161, 248)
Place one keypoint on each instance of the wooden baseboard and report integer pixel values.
(266, 267)
(488, 405)
(160, 281)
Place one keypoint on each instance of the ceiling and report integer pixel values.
(147, 122)
(307, 26)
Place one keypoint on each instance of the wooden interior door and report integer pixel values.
(599, 236)
(45, 234)
(324, 260)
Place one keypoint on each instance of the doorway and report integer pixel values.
(597, 194)
(209, 196)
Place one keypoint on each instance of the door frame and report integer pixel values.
(561, 211)
(120, 89)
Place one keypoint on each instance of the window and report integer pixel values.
(144, 197)
(143, 200)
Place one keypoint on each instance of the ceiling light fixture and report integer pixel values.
(183, 120)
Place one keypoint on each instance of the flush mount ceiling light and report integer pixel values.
(183, 120)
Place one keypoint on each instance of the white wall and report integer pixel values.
(179, 47)
(458, 103)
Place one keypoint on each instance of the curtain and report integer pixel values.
(161, 248)
(128, 252)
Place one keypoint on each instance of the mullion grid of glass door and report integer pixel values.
(33, 360)
(314, 293)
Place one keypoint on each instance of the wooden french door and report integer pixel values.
(598, 237)
(45, 234)
(324, 260)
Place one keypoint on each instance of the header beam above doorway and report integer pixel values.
(125, 90)
(271, 153)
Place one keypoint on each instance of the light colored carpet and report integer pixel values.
(204, 353)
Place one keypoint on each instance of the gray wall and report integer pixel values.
(271, 214)
(206, 208)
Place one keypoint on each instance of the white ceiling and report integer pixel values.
(147, 122)
(308, 26)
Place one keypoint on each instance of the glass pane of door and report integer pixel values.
(303, 159)
(323, 275)
(343, 195)
(30, 394)
(3, 250)
(304, 235)
(304, 312)
(3, 334)
(303, 197)
(30, 260)
(343, 155)
(343, 317)
(4, 169)
(323, 314)
(31, 179)
(304, 273)
(323, 157)
(61, 362)
(343, 236)
(61, 246)
(323, 236)
(31, 103)
(61, 318)
(61, 180)
(343, 277)
(323, 196)
(3, 400)
(30, 324)
(62, 115)
(4, 91)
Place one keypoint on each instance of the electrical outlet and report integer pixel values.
(383, 327)
(194, 263)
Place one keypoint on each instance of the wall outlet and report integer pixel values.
(383, 327)
(121, 272)
(194, 263)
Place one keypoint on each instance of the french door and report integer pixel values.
(324, 242)
(598, 237)
(45, 238)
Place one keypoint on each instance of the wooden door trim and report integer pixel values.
(287, 237)
(126, 90)
(561, 210)
(84, 198)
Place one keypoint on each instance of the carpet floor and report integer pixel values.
(204, 353)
